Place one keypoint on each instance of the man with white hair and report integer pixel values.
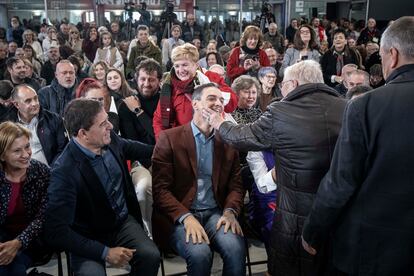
(365, 202)
(341, 88)
(274, 37)
(357, 77)
(370, 33)
(301, 130)
(60, 92)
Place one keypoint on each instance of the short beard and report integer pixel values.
(67, 85)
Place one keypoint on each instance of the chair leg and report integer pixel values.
(69, 269)
(248, 263)
(60, 266)
(162, 265)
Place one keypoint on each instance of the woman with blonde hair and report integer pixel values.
(248, 57)
(29, 38)
(174, 107)
(75, 41)
(98, 71)
(23, 193)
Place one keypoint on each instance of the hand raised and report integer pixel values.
(132, 102)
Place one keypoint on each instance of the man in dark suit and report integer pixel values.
(197, 191)
(93, 212)
(366, 200)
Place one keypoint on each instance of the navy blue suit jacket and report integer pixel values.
(79, 217)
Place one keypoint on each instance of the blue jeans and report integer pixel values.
(199, 257)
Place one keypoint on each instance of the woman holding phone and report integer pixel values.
(304, 47)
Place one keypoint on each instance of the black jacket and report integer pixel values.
(328, 63)
(367, 35)
(366, 198)
(55, 97)
(187, 36)
(135, 127)
(79, 217)
(51, 133)
(301, 130)
(48, 72)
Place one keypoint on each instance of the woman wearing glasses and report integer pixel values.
(75, 42)
(304, 47)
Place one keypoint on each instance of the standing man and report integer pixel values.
(48, 133)
(365, 202)
(370, 33)
(117, 34)
(301, 130)
(274, 37)
(198, 192)
(93, 212)
(49, 68)
(143, 47)
(58, 94)
(191, 30)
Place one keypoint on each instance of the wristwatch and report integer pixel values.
(138, 111)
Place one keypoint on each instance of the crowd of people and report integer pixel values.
(115, 149)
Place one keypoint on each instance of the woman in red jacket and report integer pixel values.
(175, 107)
(248, 58)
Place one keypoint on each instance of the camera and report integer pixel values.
(252, 57)
(129, 8)
(304, 58)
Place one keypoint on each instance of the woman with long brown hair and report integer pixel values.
(304, 47)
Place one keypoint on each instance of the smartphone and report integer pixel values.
(304, 58)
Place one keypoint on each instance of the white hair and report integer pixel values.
(307, 71)
(400, 35)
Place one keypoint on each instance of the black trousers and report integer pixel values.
(146, 259)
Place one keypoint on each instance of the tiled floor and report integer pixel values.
(175, 265)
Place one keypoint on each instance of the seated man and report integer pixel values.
(58, 94)
(93, 212)
(48, 132)
(197, 191)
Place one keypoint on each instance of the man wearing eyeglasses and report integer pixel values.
(302, 130)
(58, 94)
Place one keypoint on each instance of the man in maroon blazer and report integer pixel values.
(197, 191)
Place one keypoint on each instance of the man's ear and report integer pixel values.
(81, 133)
(194, 104)
(394, 57)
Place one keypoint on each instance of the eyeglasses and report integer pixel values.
(283, 83)
(74, 32)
